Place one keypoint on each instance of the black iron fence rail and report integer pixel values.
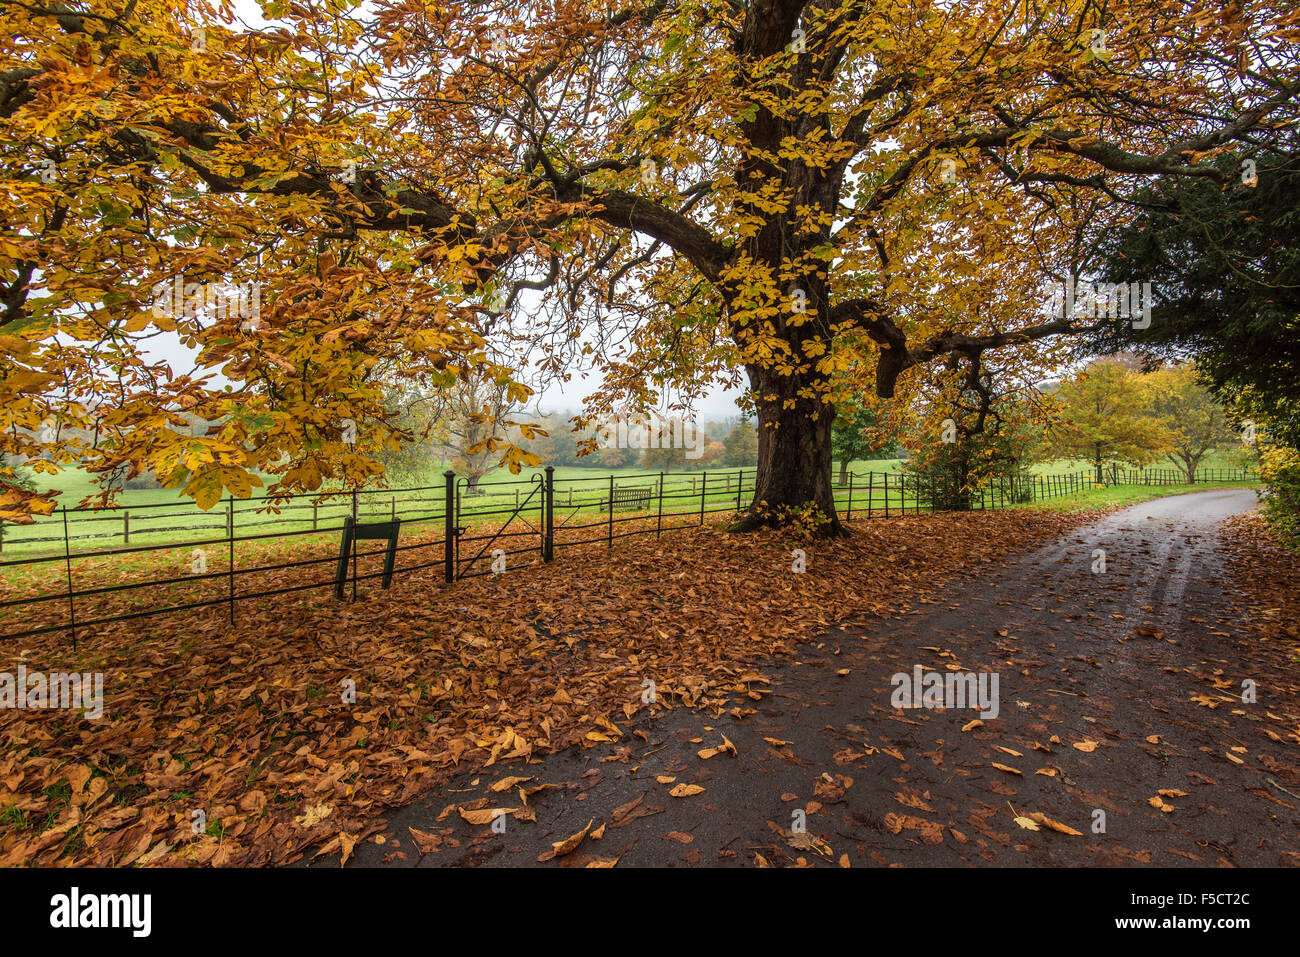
(655, 509)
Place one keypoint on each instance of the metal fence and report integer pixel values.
(468, 528)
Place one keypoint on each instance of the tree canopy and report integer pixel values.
(1225, 264)
(1104, 418)
(675, 193)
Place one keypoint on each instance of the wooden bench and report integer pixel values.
(636, 497)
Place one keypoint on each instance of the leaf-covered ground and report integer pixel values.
(1124, 735)
(249, 726)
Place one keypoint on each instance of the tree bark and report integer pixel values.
(795, 459)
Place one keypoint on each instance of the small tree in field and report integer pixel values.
(980, 430)
(741, 447)
(1103, 419)
(472, 414)
(1196, 423)
(664, 460)
(851, 439)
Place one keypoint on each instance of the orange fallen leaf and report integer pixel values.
(1057, 826)
(566, 846)
(425, 842)
(485, 816)
(726, 746)
(346, 842)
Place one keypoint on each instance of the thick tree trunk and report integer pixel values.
(795, 459)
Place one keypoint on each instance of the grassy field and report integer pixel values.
(158, 517)
(186, 556)
(162, 517)
(1119, 495)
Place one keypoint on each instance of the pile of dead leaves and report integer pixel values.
(1263, 570)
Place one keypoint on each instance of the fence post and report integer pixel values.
(740, 484)
(67, 564)
(659, 523)
(449, 526)
(610, 504)
(704, 484)
(315, 516)
(886, 476)
(849, 514)
(354, 551)
(126, 527)
(548, 548)
(230, 537)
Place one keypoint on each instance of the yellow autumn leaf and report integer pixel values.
(483, 816)
(1057, 826)
(314, 814)
(566, 846)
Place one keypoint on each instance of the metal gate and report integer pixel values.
(516, 514)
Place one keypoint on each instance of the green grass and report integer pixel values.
(1221, 459)
(1119, 495)
(167, 569)
(154, 517)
